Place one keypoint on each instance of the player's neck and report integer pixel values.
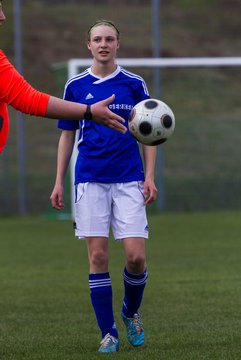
(102, 70)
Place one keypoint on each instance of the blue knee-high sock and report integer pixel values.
(134, 286)
(101, 298)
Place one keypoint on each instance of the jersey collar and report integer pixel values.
(100, 80)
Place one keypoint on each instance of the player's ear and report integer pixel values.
(88, 44)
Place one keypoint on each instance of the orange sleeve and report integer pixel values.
(4, 125)
(15, 91)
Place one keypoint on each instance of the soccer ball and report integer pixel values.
(151, 122)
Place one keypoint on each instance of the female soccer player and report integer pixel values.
(15, 91)
(112, 188)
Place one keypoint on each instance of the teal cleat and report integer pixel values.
(135, 331)
(109, 344)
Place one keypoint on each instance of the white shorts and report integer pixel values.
(119, 206)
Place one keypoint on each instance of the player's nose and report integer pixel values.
(2, 16)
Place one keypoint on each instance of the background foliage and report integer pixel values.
(201, 161)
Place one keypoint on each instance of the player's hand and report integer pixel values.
(103, 115)
(57, 197)
(150, 191)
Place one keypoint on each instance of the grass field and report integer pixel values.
(192, 304)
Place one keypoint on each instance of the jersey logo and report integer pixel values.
(89, 96)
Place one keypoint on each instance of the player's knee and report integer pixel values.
(136, 263)
(99, 259)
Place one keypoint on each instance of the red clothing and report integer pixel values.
(15, 91)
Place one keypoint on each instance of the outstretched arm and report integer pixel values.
(17, 92)
(58, 108)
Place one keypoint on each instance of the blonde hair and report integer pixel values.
(103, 22)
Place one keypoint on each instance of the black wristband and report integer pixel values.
(88, 113)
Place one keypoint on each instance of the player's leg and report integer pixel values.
(92, 211)
(101, 292)
(129, 224)
(134, 275)
(135, 278)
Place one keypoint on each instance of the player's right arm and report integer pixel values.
(65, 148)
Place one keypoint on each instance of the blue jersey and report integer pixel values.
(105, 155)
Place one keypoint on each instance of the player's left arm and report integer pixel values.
(149, 156)
(149, 153)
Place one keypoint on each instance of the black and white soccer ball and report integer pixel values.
(151, 122)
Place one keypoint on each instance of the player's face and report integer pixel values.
(2, 16)
(103, 43)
